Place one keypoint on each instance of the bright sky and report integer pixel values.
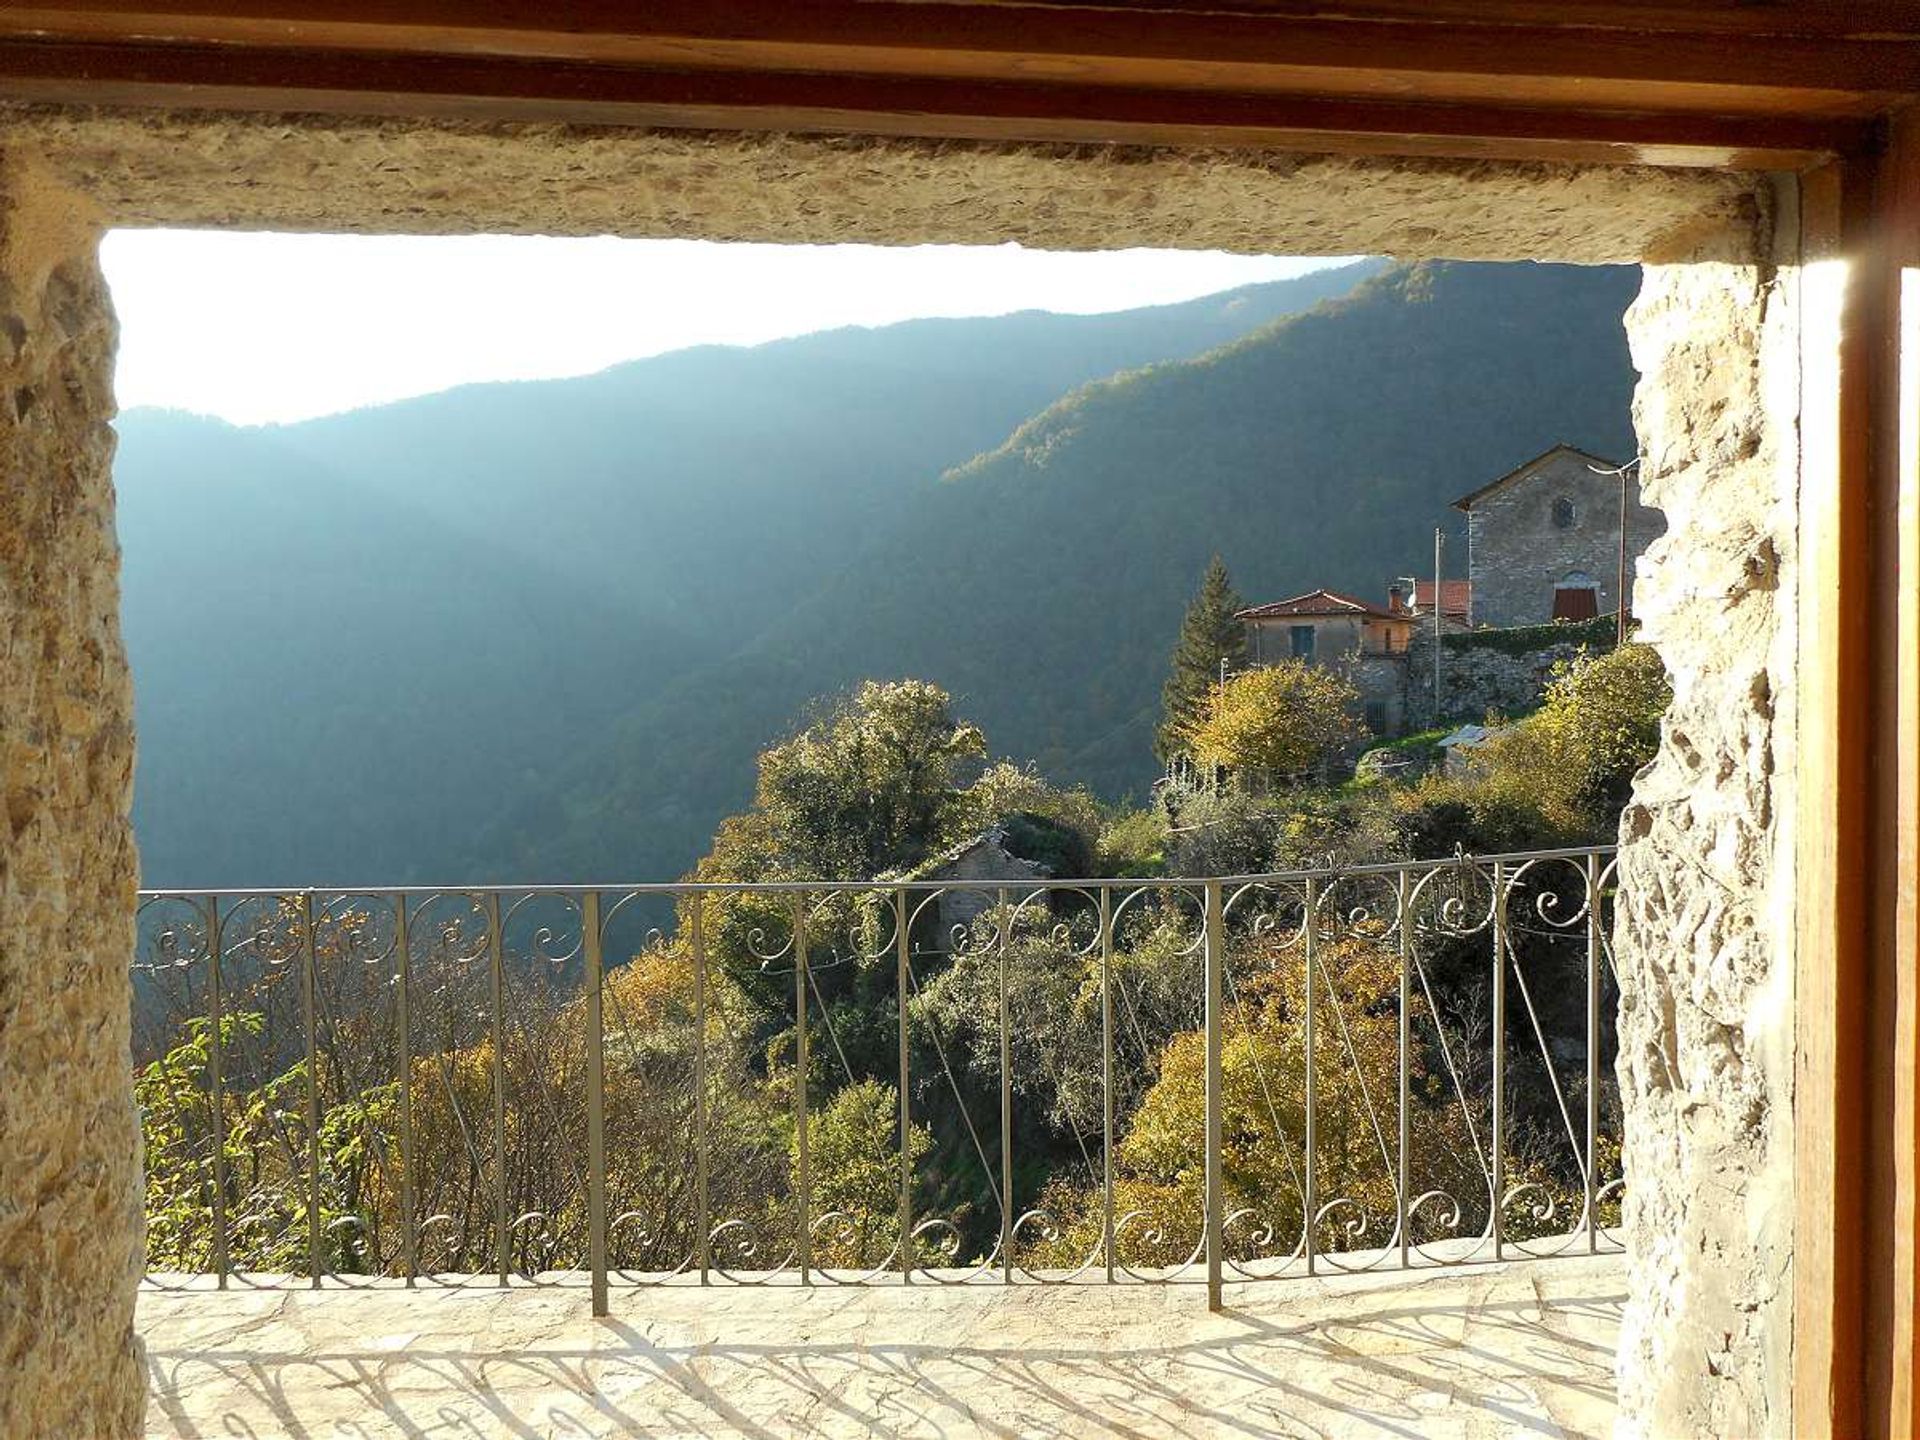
(255, 327)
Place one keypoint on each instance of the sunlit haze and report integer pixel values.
(258, 328)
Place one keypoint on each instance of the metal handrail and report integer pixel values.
(1401, 1064)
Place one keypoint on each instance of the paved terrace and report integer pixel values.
(1515, 1349)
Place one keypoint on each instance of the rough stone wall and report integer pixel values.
(1516, 553)
(70, 1222)
(1382, 682)
(986, 863)
(1705, 927)
(1478, 680)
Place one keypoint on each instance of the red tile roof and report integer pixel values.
(1316, 602)
(1456, 596)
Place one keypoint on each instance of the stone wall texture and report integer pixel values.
(1704, 935)
(290, 172)
(1517, 552)
(1479, 680)
(70, 1222)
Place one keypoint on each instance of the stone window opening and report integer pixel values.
(1565, 514)
(1719, 322)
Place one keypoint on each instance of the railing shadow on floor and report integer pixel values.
(1381, 1360)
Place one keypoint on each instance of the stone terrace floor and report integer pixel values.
(1516, 1349)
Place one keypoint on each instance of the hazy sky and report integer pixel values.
(280, 327)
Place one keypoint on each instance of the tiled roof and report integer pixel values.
(1456, 596)
(1315, 602)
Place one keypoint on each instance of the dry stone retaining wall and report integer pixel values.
(1488, 676)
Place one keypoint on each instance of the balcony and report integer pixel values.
(1338, 1144)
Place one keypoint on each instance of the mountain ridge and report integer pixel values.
(1416, 386)
(357, 638)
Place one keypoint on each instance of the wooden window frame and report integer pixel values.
(1821, 89)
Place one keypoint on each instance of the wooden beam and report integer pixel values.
(1088, 42)
(495, 89)
(1742, 18)
(1892, 1221)
(1839, 328)
(1493, 68)
(1857, 1001)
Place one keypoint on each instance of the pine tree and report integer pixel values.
(1208, 635)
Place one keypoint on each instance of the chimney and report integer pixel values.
(1396, 600)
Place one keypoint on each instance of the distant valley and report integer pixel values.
(537, 632)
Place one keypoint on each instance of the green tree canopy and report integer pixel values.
(1278, 721)
(1209, 634)
(869, 785)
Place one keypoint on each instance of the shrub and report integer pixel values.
(1560, 776)
(1278, 722)
(1132, 843)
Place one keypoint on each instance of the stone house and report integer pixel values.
(975, 869)
(1544, 540)
(1324, 627)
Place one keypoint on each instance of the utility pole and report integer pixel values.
(1439, 540)
(1620, 614)
(1620, 581)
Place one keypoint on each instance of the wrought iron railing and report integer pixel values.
(1248, 1078)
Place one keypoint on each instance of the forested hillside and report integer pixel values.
(1042, 582)
(360, 641)
(538, 632)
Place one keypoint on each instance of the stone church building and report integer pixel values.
(1544, 540)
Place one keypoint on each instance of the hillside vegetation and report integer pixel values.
(1043, 582)
(359, 641)
(539, 632)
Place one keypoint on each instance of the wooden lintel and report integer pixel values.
(185, 77)
(907, 36)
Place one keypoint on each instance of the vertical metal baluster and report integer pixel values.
(1215, 1201)
(1312, 1198)
(901, 959)
(316, 1255)
(1006, 1100)
(1405, 919)
(496, 1019)
(803, 1174)
(1106, 1078)
(596, 1105)
(702, 1196)
(1499, 1054)
(1593, 1046)
(216, 1092)
(403, 958)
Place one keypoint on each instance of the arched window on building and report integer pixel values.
(1564, 513)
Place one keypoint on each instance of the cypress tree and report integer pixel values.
(1208, 635)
